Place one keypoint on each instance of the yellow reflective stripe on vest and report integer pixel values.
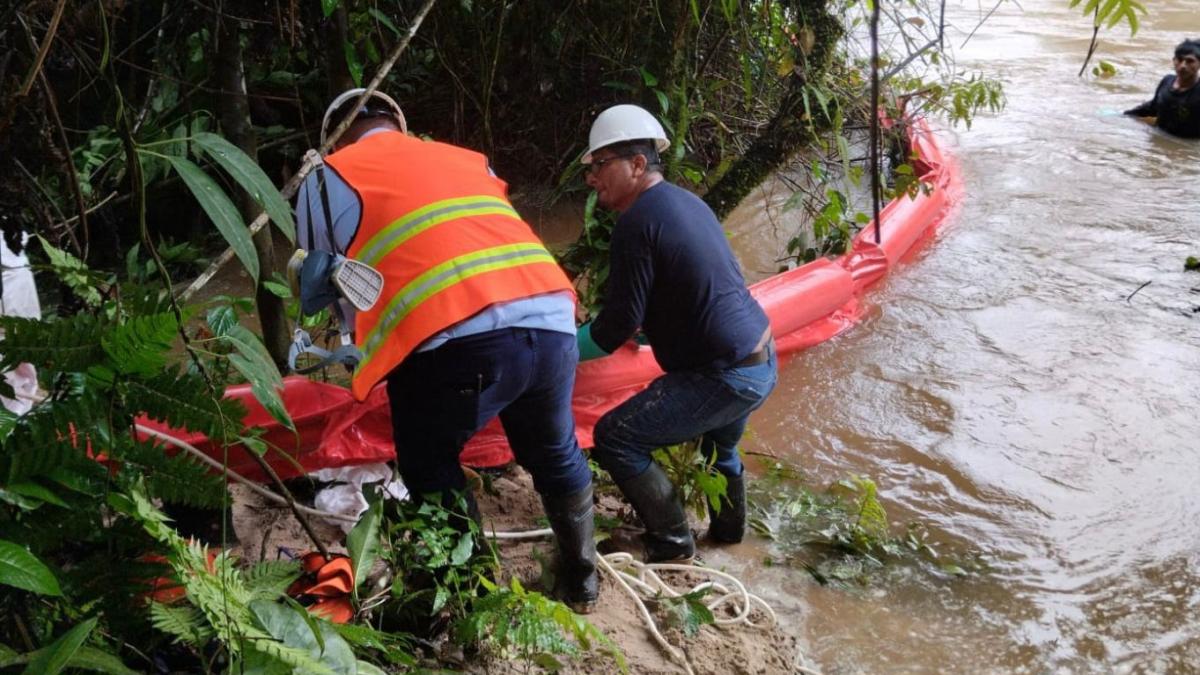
(445, 275)
(415, 222)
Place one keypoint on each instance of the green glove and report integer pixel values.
(588, 349)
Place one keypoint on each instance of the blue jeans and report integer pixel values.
(441, 397)
(678, 407)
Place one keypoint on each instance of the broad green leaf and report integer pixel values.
(462, 550)
(363, 541)
(289, 627)
(353, 64)
(663, 102)
(220, 210)
(327, 6)
(85, 658)
(252, 179)
(220, 319)
(382, 18)
(365, 668)
(52, 659)
(21, 569)
(265, 391)
(32, 489)
(278, 289)
(255, 445)
(252, 360)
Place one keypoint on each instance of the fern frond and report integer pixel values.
(181, 400)
(57, 345)
(176, 480)
(269, 579)
(56, 433)
(140, 345)
(186, 624)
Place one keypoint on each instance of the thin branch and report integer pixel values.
(293, 184)
(980, 24)
(1095, 41)
(41, 54)
(1139, 288)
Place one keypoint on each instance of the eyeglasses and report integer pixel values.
(598, 164)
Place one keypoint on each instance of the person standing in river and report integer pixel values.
(673, 275)
(1176, 102)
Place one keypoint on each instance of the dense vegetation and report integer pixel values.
(118, 119)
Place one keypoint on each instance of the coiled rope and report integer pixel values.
(639, 580)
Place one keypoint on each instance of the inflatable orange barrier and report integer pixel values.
(806, 306)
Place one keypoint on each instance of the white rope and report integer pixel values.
(639, 580)
(254, 487)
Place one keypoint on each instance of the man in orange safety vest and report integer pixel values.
(476, 319)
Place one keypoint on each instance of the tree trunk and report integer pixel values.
(787, 131)
(336, 36)
(235, 123)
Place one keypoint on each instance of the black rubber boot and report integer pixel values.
(652, 495)
(576, 582)
(729, 526)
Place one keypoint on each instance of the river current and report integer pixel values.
(1012, 388)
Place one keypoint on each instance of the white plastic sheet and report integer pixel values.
(19, 298)
(345, 496)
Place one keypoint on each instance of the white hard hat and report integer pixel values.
(622, 123)
(351, 94)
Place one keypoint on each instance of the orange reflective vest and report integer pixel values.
(440, 228)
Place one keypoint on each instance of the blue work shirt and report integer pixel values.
(673, 274)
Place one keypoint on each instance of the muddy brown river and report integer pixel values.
(1006, 390)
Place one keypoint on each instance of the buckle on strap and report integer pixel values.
(346, 354)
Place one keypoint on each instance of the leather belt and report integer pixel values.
(759, 356)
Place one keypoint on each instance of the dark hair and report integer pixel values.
(645, 147)
(1188, 46)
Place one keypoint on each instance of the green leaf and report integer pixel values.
(255, 364)
(353, 64)
(255, 445)
(382, 18)
(21, 569)
(220, 210)
(327, 6)
(220, 319)
(663, 102)
(363, 541)
(57, 656)
(462, 550)
(252, 179)
(293, 630)
(31, 489)
(86, 658)
(140, 345)
(73, 273)
(278, 289)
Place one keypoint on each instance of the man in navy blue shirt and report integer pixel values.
(672, 275)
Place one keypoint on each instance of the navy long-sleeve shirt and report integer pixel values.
(1178, 112)
(673, 274)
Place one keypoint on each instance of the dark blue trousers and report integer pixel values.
(678, 407)
(441, 397)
